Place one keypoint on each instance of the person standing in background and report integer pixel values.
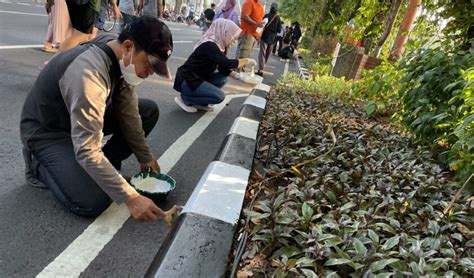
(129, 9)
(227, 11)
(59, 25)
(48, 42)
(272, 28)
(296, 35)
(82, 17)
(100, 17)
(62, 28)
(150, 7)
(279, 38)
(251, 18)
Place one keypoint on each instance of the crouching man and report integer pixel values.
(80, 96)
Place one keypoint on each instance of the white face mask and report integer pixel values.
(128, 72)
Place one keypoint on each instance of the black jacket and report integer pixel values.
(201, 65)
(272, 28)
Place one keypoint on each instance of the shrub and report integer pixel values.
(437, 102)
(329, 86)
(378, 89)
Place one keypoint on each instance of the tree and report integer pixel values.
(405, 28)
(390, 21)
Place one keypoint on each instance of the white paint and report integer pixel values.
(20, 46)
(12, 12)
(182, 41)
(285, 70)
(83, 250)
(23, 4)
(256, 101)
(263, 87)
(245, 127)
(220, 192)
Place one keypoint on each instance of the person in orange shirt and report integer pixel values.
(251, 18)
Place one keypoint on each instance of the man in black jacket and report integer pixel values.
(272, 28)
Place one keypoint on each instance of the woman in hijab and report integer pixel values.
(227, 10)
(201, 77)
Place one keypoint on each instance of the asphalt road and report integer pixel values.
(36, 233)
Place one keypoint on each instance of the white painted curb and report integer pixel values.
(220, 192)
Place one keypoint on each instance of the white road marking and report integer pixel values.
(3, 47)
(20, 46)
(285, 71)
(182, 41)
(23, 4)
(178, 58)
(12, 12)
(83, 250)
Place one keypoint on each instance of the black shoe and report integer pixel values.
(30, 178)
(259, 73)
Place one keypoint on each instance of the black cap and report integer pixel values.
(154, 37)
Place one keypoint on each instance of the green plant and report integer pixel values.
(328, 86)
(378, 89)
(368, 204)
(461, 154)
(436, 96)
(322, 66)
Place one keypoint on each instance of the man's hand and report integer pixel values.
(143, 209)
(150, 166)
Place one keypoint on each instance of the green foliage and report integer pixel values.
(369, 15)
(460, 14)
(306, 42)
(436, 95)
(320, 18)
(370, 207)
(378, 89)
(328, 86)
(321, 67)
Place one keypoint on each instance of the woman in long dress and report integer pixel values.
(48, 41)
(62, 27)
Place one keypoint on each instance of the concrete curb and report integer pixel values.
(201, 239)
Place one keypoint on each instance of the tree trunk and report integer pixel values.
(391, 16)
(405, 28)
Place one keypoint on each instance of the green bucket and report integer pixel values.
(155, 186)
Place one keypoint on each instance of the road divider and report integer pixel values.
(200, 240)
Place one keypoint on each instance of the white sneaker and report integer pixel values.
(180, 103)
(208, 108)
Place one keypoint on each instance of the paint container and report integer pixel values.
(153, 185)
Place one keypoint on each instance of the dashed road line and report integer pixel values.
(22, 13)
(2, 47)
